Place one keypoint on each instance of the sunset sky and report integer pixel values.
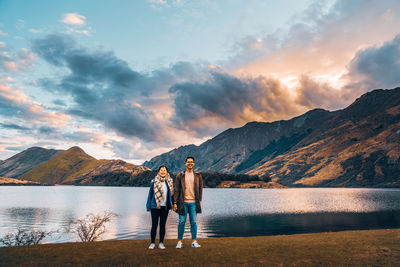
(134, 79)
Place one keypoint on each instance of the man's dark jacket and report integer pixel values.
(179, 195)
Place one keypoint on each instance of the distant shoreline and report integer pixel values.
(287, 187)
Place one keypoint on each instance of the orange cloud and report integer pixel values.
(320, 44)
(74, 19)
(23, 106)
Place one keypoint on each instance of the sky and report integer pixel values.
(133, 79)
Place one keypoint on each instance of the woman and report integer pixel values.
(159, 202)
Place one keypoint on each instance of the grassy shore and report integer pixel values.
(348, 248)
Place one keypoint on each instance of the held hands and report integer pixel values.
(174, 208)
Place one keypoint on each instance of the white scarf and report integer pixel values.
(158, 192)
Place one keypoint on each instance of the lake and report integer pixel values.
(226, 212)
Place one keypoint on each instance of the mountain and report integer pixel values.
(112, 172)
(356, 146)
(241, 149)
(360, 146)
(26, 160)
(74, 166)
(63, 167)
(121, 173)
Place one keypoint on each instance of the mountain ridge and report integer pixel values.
(241, 142)
(309, 148)
(63, 167)
(26, 160)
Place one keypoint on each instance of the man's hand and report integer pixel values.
(174, 208)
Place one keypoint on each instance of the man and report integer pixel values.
(187, 198)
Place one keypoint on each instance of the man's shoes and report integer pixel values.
(152, 246)
(179, 245)
(161, 246)
(195, 244)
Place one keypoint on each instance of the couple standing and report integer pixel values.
(184, 198)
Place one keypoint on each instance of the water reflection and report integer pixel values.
(278, 224)
(299, 200)
(226, 212)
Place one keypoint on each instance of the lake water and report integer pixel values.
(226, 212)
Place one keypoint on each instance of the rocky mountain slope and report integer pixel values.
(356, 146)
(241, 149)
(24, 161)
(360, 146)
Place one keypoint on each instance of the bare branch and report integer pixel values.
(24, 237)
(92, 227)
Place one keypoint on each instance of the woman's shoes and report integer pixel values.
(179, 245)
(153, 246)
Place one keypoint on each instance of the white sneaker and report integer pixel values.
(179, 245)
(152, 246)
(195, 244)
(161, 246)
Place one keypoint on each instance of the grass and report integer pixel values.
(63, 167)
(348, 248)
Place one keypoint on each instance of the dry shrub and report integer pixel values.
(24, 237)
(92, 226)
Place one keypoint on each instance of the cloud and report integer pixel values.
(158, 2)
(135, 150)
(75, 23)
(104, 87)
(14, 127)
(10, 66)
(84, 32)
(45, 130)
(376, 66)
(16, 60)
(74, 19)
(320, 40)
(25, 59)
(327, 55)
(34, 31)
(20, 24)
(86, 67)
(229, 99)
(59, 102)
(314, 62)
(15, 103)
(3, 34)
(317, 94)
(6, 79)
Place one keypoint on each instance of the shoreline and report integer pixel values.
(287, 187)
(352, 248)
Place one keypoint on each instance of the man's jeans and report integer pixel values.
(191, 208)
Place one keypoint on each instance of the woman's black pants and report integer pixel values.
(158, 214)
